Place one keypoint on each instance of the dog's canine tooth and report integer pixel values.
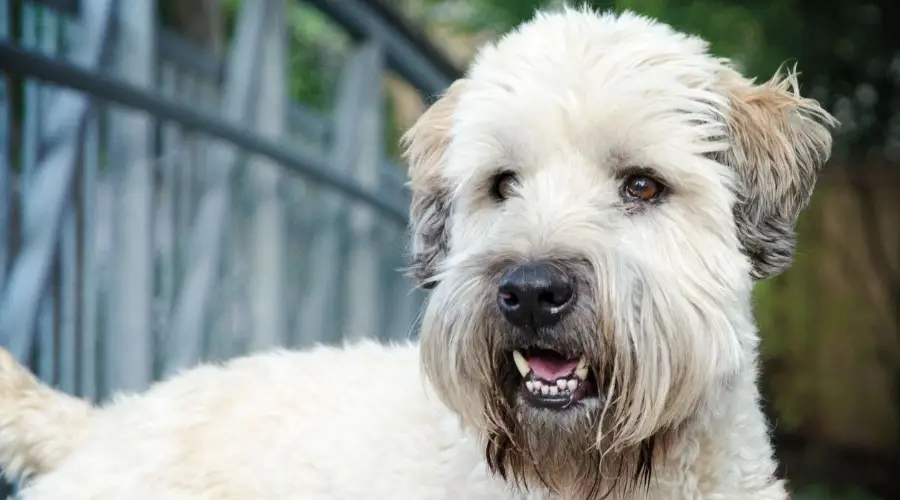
(521, 363)
(581, 371)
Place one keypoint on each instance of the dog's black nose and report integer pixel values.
(535, 295)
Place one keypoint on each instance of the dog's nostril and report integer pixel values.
(509, 299)
(556, 298)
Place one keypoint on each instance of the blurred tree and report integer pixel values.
(850, 52)
(316, 50)
(199, 20)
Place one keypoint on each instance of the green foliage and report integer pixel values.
(316, 50)
(827, 492)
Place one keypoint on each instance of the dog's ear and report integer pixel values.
(779, 142)
(425, 146)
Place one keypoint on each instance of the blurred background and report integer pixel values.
(186, 180)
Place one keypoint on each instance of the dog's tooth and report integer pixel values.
(571, 384)
(561, 383)
(544, 389)
(581, 371)
(530, 385)
(554, 390)
(521, 363)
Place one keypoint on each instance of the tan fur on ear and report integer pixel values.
(426, 141)
(424, 145)
(779, 143)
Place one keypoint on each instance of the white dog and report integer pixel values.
(592, 204)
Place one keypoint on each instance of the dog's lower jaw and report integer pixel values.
(723, 452)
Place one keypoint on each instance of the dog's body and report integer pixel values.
(591, 206)
(289, 426)
(326, 423)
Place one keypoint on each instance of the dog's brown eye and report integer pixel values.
(643, 188)
(505, 186)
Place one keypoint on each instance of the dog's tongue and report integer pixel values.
(551, 367)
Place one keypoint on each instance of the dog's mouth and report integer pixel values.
(553, 380)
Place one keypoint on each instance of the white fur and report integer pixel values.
(567, 101)
(327, 423)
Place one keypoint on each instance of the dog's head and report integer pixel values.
(592, 203)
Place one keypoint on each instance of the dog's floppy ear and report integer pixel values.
(425, 145)
(779, 142)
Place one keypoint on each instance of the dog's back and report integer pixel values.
(39, 426)
(326, 422)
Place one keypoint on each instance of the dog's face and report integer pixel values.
(592, 203)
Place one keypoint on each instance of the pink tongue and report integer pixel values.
(550, 369)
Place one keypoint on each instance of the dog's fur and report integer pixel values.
(571, 103)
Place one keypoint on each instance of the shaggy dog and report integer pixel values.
(592, 204)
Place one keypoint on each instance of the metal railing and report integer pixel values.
(159, 205)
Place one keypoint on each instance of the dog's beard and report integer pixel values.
(648, 368)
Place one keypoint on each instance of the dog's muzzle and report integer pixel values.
(534, 299)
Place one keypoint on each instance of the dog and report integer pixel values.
(592, 204)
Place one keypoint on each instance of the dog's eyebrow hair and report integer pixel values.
(508, 159)
(505, 162)
(638, 169)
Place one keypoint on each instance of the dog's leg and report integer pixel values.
(39, 426)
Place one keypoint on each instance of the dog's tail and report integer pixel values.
(39, 426)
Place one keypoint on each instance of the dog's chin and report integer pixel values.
(549, 383)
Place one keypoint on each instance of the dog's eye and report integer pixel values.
(504, 186)
(643, 188)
